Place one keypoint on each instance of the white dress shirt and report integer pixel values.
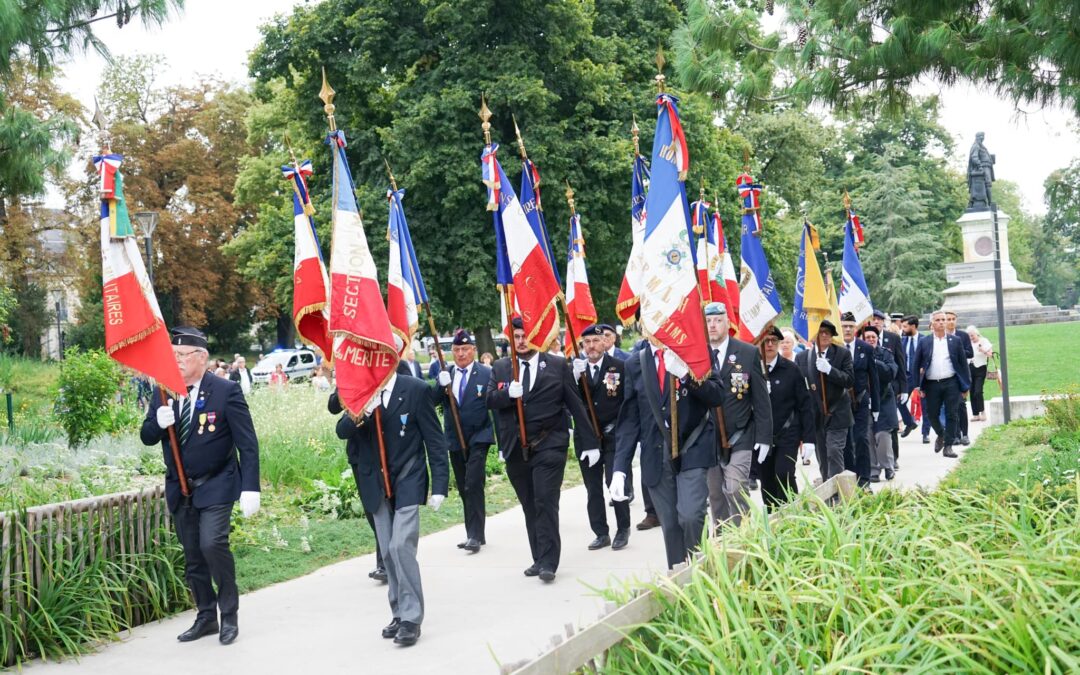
(940, 365)
(387, 391)
(721, 352)
(533, 362)
(460, 373)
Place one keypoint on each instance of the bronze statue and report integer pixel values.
(980, 175)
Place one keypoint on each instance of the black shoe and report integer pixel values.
(532, 570)
(964, 440)
(378, 574)
(907, 430)
(462, 544)
(939, 443)
(546, 575)
(391, 629)
(472, 546)
(229, 630)
(754, 484)
(889, 474)
(896, 466)
(407, 634)
(925, 440)
(949, 452)
(600, 542)
(201, 628)
(649, 522)
(875, 479)
(622, 538)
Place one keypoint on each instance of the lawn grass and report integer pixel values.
(1040, 358)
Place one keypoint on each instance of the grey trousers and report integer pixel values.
(729, 487)
(833, 453)
(398, 532)
(881, 456)
(681, 501)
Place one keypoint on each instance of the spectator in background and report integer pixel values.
(788, 346)
(408, 365)
(487, 359)
(279, 380)
(982, 351)
(241, 374)
(221, 372)
(321, 381)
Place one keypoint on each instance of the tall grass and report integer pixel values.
(297, 443)
(949, 581)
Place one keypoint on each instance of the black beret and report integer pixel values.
(462, 337)
(827, 325)
(870, 328)
(516, 322)
(606, 327)
(847, 316)
(188, 336)
(595, 330)
(773, 332)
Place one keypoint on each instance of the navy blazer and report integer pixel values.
(891, 343)
(791, 405)
(607, 397)
(908, 344)
(620, 354)
(637, 420)
(924, 354)
(410, 431)
(866, 375)
(410, 368)
(221, 428)
(472, 410)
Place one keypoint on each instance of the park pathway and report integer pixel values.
(481, 609)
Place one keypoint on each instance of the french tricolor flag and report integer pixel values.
(579, 302)
(710, 268)
(759, 301)
(135, 332)
(405, 291)
(365, 355)
(727, 273)
(629, 300)
(670, 299)
(311, 285)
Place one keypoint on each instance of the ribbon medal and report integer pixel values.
(211, 417)
(480, 391)
(202, 420)
(404, 423)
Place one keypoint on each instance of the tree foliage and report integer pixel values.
(848, 54)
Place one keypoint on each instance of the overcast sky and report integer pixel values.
(215, 37)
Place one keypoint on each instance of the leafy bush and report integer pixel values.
(948, 581)
(336, 498)
(1063, 414)
(87, 386)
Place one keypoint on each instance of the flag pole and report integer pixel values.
(570, 326)
(435, 336)
(485, 117)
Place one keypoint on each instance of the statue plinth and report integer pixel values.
(978, 296)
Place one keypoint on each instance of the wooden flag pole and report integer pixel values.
(175, 446)
(383, 464)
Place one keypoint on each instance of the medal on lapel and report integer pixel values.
(611, 381)
(480, 390)
(404, 422)
(211, 417)
(202, 421)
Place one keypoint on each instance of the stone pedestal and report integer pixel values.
(977, 296)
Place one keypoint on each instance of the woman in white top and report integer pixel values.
(983, 349)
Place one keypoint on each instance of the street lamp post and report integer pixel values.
(148, 221)
(59, 335)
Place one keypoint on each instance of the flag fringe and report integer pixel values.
(112, 349)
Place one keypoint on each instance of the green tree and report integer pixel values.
(29, 319)
(409, 78)
(848, 55)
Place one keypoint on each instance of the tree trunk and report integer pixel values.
(285, 336)
(484, 342)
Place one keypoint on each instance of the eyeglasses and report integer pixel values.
(180, 356)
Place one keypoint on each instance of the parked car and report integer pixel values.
(298, 364)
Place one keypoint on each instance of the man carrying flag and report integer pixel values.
(670, 386)
(311, 309)
(759, 302)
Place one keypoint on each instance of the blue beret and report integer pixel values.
(715, 309)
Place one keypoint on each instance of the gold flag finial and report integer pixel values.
(660, 61)
(746, 159)
(847, 201)
(390, 173)
(102, 124)
(309, 209)
(520, 140)
(485, 117)
(327, 95)
(635, 132)
(701, 190)
(570, 197)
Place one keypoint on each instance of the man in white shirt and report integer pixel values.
(941, 376)
(242, 375)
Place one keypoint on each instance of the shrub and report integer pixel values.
(87, 386)
(1063, 414)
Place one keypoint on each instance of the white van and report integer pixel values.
(298, 364)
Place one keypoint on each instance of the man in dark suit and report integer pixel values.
(390, 448)
(969, 352)
(213, 425)
(793, 422)
(909, 340)
(867, 401)
(679, 486)
(467, 381)
(942, 377)
(828, 371)
(409, 365)
(604, 376)
(881, 446)
(890, 342)
(743, 417)
(545, 386)
(611, 338)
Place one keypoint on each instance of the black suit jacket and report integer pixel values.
(837, 383)
(791, 405)
(410, 432)
(227, 457)
(891, 343)
(410, 368)
(472, 410)
(924, 353)
(643, 403)
(908, 345)
(550, 396)
(866, 376)
(607, 396)
(741, 370)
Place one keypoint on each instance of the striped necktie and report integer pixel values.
(185, 417)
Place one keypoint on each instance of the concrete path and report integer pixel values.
(481, 609)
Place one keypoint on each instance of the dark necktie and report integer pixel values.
(185, 417)
(461, 387)
(526, 378)
(595, 374)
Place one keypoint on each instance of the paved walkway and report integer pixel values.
(481, 609)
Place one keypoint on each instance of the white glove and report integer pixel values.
(617, 489)
(502, 457)
(593, 456)
(435, 501)
(675, 366)
(823, 365)
(875, 415)
(515, 390)
(165, 416)
(249, 503)
(580, 366)
(445, 379)
(903, 398)
(808, 451)
(762, 451)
